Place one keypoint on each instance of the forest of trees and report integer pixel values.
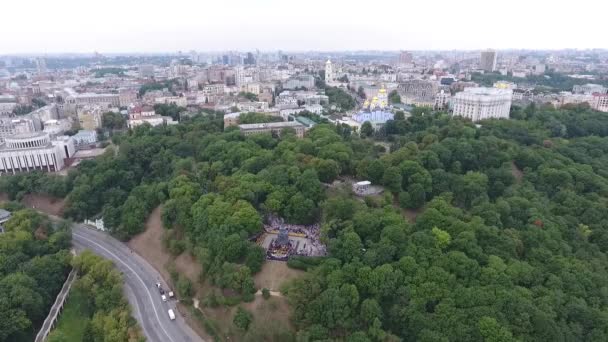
(551, 81)
(508, 243)
(108, 315)
(34, 263)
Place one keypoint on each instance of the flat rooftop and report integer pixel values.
(271, 125)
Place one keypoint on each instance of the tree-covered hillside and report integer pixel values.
(34, 262)
(495, 232)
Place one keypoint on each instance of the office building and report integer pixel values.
(482, 103)
(300, 81)
(589, 88)
(405, 58)
(146, 70)
(600, 102)
(418, 89)
(487, 61)
(273, 127)
(34, 151)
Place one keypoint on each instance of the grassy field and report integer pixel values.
(73, 319)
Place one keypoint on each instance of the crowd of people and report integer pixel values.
(308, 231)
(312, 233)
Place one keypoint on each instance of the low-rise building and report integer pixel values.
(273, 127)
(589, 88)
(300, 81)
(254, 106)
(85, 138)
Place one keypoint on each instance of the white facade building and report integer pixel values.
(29, 152)
(482, 103)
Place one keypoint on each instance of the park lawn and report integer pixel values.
(74, 318)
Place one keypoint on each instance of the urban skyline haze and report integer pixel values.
(116, 26)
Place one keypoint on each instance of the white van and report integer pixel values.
(171, 314)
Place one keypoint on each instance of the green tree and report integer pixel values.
(366, 129)
(242, 319)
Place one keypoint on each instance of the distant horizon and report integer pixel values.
(186, 52)
(152, 26)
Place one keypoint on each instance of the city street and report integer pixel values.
(140, 287)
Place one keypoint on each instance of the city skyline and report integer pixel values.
(65, 26)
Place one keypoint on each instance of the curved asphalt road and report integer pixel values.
(140, 286)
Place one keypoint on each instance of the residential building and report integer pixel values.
(141, 115)
(487, 60)
(442, 100)
(254, 106)
(85, 137)
(405, 58)
(589, 88)
(146, 70)
(90, 117)
(418, 89)
(273, 127)
(482, 103)
(176, 100)
(108, 100)
(231, 119)
(600, 102)
(300, 81)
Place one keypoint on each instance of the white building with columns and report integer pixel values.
(482, 103)
(32, 151)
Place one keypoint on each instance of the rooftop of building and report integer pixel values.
(28, 135)
(305, 121)
(485, 91)
(4, 214)
(271, 125)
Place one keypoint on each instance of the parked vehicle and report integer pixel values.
(171, 295)
(164, 298)
(160, 289)
(171, 314)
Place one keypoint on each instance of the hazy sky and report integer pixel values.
(44, 26)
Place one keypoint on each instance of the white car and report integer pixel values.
(171, 314)
(164, 298)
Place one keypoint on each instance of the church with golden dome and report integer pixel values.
(376, 110)
(378, 102)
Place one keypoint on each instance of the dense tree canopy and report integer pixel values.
(34, 262)
(494, 232)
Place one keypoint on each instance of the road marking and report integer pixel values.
(138, 277)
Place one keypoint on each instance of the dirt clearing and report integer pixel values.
(274, 274)
(45, 203)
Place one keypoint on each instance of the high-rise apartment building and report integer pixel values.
(405, 57)
(487, 61)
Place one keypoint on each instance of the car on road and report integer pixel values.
(171, 314)
(171, 295)
(164, 298)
